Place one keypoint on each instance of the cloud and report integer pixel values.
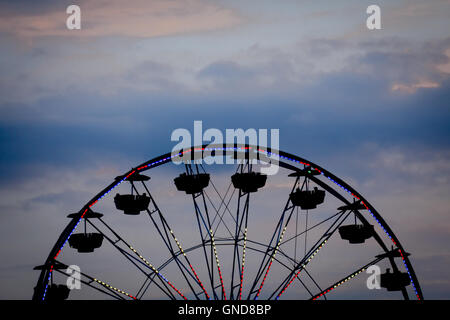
(386, 67)
(413, 87)
(226, 70)
(409, 67)
(445, 66)
(141, 19)
(149, 76)
(76, 113)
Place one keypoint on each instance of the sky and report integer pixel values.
(79, 107)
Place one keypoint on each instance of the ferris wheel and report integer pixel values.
(206, 230)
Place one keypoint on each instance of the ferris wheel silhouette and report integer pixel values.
(245, 248)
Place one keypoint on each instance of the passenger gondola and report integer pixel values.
(132, 204)
(248, 181)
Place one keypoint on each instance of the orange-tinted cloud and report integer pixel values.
(138, 18)
(411, 88)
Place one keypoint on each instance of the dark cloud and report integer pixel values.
(227, 70)
(151, 76)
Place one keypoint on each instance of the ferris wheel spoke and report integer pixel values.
(148, 281)
(217, 214)
(356, 212)
(313, 280)
(310, 255)
(167, 240)
(277, 260)
(306, 287)
(237, 264)
(241, 227)
(291, 269)
(309, 229)
(345, 279)
(226, 209)
(204, 234)
(89, 281)
(184, 270)
(223, 203)
(375, 235)
(143, 288)
(167, 234)
(191, 183)
(142, 261)
(127, 255)
(238, 229)
(272, 246)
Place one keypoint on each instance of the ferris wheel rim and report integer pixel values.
(42, 284)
